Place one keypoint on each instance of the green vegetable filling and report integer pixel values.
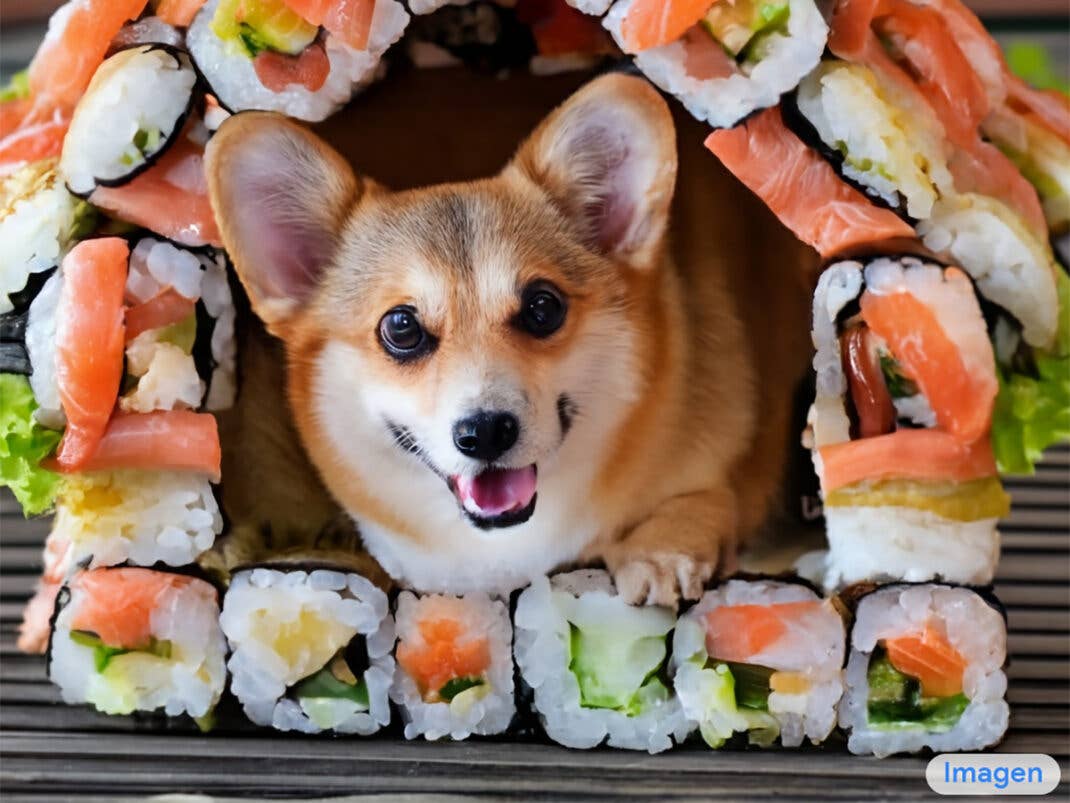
(455, 686)
(615, 671)
(899, 385)
(253, 26)
(751, 683)
(23, 445)
(103, 654)
(744, 28)
(182, 334)
(323, 684)
(895, 700)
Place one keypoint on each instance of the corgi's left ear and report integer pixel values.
(607, 158)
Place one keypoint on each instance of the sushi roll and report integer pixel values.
(302, 59)
(135, 106)
(726, 61)
(762, 657)
(900, 425)
(454, 673)
(310, 649)
(925, 671)
(129, 639)
(597, 666)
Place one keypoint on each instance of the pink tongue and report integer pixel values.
(498, 491)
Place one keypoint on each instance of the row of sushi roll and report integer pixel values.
(756, 662)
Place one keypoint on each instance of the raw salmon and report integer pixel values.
(652, 23)
(350, 20)
(32, 142)
(89, 344)
(117, 604)
(179, 13)
(79, 34)
(165, 440)
(443, 656)
(161, 310)
(869, 392)
(913, 454)
(12, 113)
(704, 58)
(1050, 107)
(982, 168)
(170, 198)
(738, 633)
(942, 344)
(801, 188)
(35, 627)
(309, 69)
(930, 659)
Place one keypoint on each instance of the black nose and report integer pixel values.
(486, 435)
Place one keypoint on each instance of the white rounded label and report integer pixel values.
(992, 774)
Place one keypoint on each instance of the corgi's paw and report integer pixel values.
(661, 578)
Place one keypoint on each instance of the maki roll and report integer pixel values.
(134, 108)
(310, 650)
(763, 658)
(726, 60)
(454, 673)
(597, 665)
(899, 428)
(129, 639)
(299, 58)
(925, 671)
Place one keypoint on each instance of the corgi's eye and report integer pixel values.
(401, 334)
(542, 310)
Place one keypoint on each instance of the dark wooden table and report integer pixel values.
(52, 751)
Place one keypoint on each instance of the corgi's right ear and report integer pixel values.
(281, 197)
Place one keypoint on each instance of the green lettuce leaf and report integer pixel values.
(23, 445)
(1033, 411)
(18, 88)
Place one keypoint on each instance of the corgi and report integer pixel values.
(587, 356)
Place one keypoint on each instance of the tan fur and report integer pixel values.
(716, 313)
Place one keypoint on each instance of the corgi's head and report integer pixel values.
(453, 348)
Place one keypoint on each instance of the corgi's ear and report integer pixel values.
(281, 197)
(607, 158)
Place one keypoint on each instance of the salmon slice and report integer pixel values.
(869, 392)
(911, 454)
(179, 13)
(32, 142)
(930, 659)
(738, 633)
(117, 604)
(35, 627)
(652, 23)
(982, 168)
(79, 34)
(942, 343)
(1048, 106)
(12, 113)
(704, 58)
(942, 72)
(443, 655)
(164, 440)
(801, 188)
(170, 198)
(349, 20)
(309, 69)
(161, 310)
(89, 344)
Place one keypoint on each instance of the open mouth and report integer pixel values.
(497, 497)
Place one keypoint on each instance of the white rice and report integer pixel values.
(723, 102)
(190, 682)
(261, 606)
(1010, 266)
(905, 543)
(484, 710)
(234, 81)
(156, 265)
(838, 286)
(542, 655)
(41, 347)
(140, 517)
(37, 216)
(816, 652)
(972, 627)
(219, 303)
(140, 89)
(887, 149)
(595, 8)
